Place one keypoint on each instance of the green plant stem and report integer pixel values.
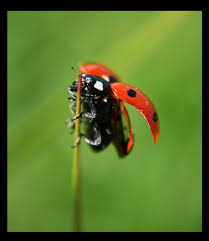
(76, 175)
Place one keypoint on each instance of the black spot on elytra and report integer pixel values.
(155, 117)
(132, 93)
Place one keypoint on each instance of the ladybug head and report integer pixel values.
(92, 84)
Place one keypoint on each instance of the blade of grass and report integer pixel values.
(76, 176)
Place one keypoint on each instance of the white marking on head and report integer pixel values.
(83, 75)
(105, 77)
(88, 80)
(99, 85)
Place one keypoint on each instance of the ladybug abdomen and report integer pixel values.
(100, 126)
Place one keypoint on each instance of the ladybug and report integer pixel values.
(102, 98)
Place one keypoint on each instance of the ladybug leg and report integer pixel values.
(71, 98)
(72, 90)
(77, 142)
(84, 115)
(72, 107)
(88, 115)
(70, 123)
(97, 138)
(95, 142)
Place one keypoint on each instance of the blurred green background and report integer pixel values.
(156, 187)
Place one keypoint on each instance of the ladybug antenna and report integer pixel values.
(75, 70)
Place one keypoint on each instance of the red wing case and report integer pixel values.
(98, 70)
(140, 101)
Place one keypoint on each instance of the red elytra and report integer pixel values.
(140, 101)
(98, 70)
(129, 94)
